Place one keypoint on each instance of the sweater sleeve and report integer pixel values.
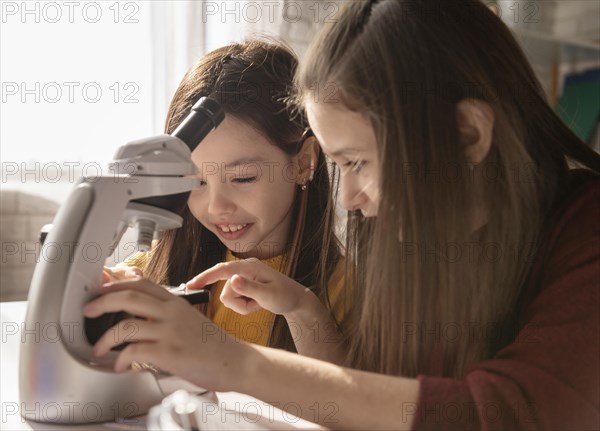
(548, 378)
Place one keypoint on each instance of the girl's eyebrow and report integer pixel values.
(345, 152)
(245, 161)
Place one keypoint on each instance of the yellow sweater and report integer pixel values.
(256, 327)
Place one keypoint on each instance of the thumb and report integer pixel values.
(235, 296)
(248, 288)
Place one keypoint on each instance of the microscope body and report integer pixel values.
(60, 380)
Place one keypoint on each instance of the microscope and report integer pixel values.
(148, 183)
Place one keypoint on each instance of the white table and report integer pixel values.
(236, 411)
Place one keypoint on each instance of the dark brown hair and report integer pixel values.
(252, 81)
(405, 65)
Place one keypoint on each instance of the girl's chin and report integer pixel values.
(368, 213)
(247, 250)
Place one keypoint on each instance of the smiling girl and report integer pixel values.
(264, 193)
(478, 298)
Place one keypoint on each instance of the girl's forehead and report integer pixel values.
(234, 143)
(237, 130)
(338, 129)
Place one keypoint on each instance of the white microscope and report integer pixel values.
(60, 380)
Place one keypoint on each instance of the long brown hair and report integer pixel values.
(442, 297)
(252, 81)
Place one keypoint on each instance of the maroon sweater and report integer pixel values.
(548, 378)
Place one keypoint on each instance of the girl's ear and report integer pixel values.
(475, 120)
(307, 160)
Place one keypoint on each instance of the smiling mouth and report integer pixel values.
(232, 231)
(226, 228)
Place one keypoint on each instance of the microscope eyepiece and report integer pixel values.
(206, 114)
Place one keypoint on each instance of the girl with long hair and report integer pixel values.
(473, 236)
(265, 193)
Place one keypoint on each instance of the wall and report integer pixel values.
(22, 215)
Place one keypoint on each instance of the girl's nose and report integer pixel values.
(350, 194)
(219, 203)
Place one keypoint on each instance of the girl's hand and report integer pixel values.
(251, 285)
(120, 272)
(169, 334)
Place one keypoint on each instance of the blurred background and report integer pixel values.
(81, 78)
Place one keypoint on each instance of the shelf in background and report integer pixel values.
(545, 49)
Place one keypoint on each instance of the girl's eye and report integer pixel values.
(355, 165)
(244, 180)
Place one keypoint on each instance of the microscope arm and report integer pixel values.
(149, 180)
